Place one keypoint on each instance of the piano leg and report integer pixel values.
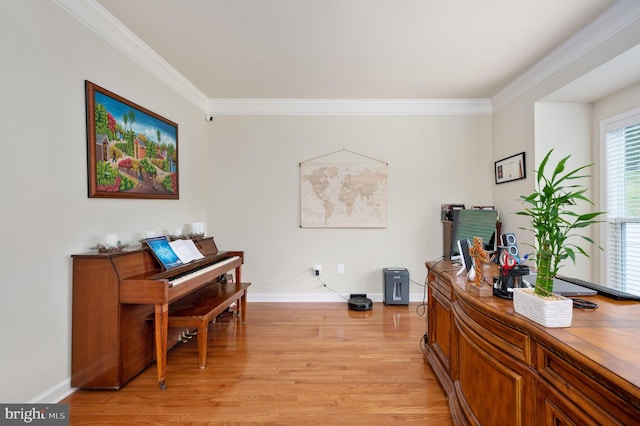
(242, 303)
(161, 325)
(203, 331)
(238, 274)
(242, 306)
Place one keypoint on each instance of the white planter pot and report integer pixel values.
(554, 312)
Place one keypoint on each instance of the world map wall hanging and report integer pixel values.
(344, 193)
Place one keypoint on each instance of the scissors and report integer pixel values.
(507, 261)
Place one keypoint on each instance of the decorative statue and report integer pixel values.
(480, 257)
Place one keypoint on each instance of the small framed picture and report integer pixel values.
(510, 168)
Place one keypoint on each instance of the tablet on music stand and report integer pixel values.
(163, 252)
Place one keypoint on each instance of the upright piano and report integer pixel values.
(120, 310)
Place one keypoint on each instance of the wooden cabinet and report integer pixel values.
(111, 342)
(498, 368)
(490, 379)
(439, 326)
(585, 392)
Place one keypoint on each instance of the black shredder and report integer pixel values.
(396, 286)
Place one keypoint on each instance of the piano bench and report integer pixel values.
(201, 307)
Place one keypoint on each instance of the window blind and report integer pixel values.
(622, 161)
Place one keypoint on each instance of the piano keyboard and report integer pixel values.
(183, 278)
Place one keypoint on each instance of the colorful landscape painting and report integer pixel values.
(132, 152)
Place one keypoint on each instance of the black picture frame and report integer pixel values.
(511, 168)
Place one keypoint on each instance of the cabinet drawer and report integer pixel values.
(494, 386)
(443, 287)
(600, 399)
(554, 409)
(505, 339)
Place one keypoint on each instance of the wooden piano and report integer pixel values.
(120, 310)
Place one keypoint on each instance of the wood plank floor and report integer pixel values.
(292, 363)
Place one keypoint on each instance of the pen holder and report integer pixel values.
(508, 280)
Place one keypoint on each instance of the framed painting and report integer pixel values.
(131, 151)
(510, 168)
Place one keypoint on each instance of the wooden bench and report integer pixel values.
(201, 307)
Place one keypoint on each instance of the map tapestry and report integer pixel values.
(338, 195)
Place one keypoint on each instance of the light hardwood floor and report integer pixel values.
(292, 363)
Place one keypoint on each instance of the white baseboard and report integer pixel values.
(317, 297)
(55, 394)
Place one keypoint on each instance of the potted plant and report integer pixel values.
(555, 226)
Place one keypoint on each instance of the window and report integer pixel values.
(622, 186)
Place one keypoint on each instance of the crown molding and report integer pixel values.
(619, 16)
(100, 21)
(348, 106)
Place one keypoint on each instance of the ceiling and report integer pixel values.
(353, 49)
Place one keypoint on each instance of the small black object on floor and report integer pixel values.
(360, 302)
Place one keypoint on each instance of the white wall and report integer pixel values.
(515, 125)
(614, 104)
(46, 215)
(254, 187)
(513, 132)
(566, 128)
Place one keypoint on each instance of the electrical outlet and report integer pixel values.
(340, 268)
(317, 269)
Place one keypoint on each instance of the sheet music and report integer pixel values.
(186, 250)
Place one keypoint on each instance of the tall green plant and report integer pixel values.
(553, 221)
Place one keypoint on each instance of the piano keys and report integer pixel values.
(120, 308)
(207, 270)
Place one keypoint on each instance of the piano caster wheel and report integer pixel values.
(163, 385)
